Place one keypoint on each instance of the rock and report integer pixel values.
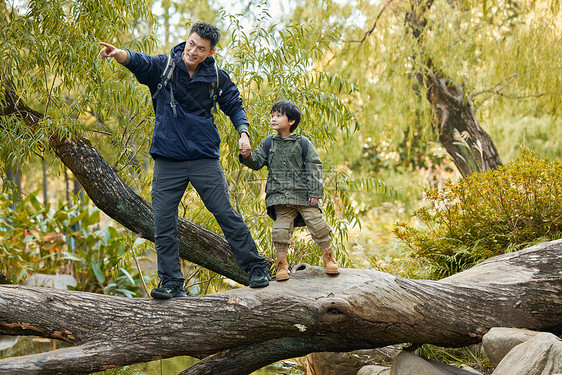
(51, 281)
(498, 341)
(7, 341)
(327, 363)
(374, 370)
(540, 355)
(469, 369)
(410, 364)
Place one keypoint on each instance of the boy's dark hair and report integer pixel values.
(207, 31)
(289, 109)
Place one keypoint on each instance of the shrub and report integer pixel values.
(487, 214)
(35, 238)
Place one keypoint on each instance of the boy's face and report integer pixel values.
(196, 51)
(281, 123)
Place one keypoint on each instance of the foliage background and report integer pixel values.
(352, 80)
(348, 65)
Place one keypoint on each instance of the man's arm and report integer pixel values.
(147, 69)
(231, 104)
(120, 55)
(244, 143)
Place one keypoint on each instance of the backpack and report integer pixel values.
(214, 89)
(304, 147)
(299, 221)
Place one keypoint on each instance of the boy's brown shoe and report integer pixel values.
(329, 258)
(282, 267)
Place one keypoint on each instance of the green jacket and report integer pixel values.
(288, 180)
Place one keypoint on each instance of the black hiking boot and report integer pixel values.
(259, 277)
(168, 291)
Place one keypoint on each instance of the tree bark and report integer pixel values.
(456, 125)
(242, 330)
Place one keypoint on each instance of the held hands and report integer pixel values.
(313, 201)
(244, 145)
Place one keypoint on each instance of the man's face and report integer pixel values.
(196, 51)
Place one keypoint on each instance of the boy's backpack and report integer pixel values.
(214, 89)
(304, 147)
(299, 221)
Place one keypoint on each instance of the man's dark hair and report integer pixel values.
(289, 109)
(207, 31)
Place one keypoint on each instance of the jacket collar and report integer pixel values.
(292, 137)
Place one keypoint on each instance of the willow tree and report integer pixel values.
(439, 69)
(60, 99)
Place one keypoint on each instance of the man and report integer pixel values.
(185, 148)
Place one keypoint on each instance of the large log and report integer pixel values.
(242, 330)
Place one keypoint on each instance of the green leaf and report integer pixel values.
(128, 275)
(70, 256)
(97, 271)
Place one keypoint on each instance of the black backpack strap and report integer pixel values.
(304, 147)
(165, 76)
(267, 146)
(164, 80)
(215, 91)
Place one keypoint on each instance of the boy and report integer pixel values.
(294, 185)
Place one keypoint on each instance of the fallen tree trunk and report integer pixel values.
(242, 330)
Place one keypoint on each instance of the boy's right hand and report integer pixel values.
(108, 50)
(245, 152)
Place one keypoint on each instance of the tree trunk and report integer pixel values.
(458, 130)
(456, 126)
(242, 330)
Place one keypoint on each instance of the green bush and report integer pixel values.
(35, 238)
(487, 214)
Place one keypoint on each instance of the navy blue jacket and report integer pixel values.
(192, 134)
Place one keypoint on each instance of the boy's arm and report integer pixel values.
(256, 159)
(313, 166)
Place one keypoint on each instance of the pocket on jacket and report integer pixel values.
(205, 134)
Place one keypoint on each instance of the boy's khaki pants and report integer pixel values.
(283, 226)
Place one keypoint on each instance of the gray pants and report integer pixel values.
(171, 178)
